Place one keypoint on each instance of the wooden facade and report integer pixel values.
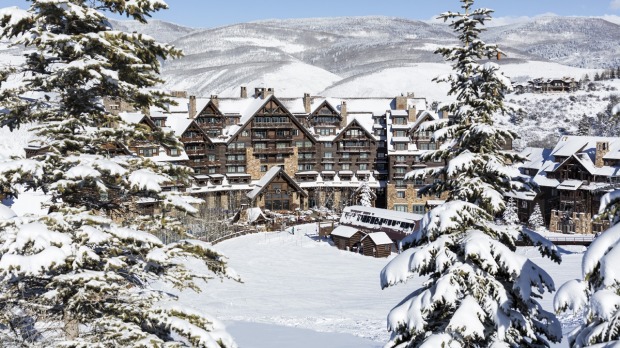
(345, 242)
(377, 245)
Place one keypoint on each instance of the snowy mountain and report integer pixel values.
(575, 41)
(325, 55)
(384, 56)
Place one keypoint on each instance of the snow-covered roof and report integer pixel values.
(535, 156)
(344, 231)
(178, 124)
(522, 195)
(379, 238)
(254, 214)
(131, 117)
(570, 185)
(378, 219)
(267, 178)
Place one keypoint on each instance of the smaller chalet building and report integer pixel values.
(276, 191)
(347, 237)
(377, 244)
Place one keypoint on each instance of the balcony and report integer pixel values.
(197, 139)
(273, 150)
(195, 152)
(272, 125)
(273, 138)
(306, 160)
(355, 149)
(195, 164)
(235, 150)
(235, 162)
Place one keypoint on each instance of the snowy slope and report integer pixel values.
(293, 281)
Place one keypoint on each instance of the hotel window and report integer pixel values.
(328, 155)
(328, 166)
(295, 132)
(400, 146)
(400, 207)
(363, 166)
(263, 168)
(245, 133)
(281, 145)
(345, 166)
(400, 194)
(418, 208)
(328, 144)
(174, 152)
(400, 170)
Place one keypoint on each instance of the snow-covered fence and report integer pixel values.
(585, 240)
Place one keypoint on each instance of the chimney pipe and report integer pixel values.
(307, 103)
(244, 92)
(192, 106)
(215, 101)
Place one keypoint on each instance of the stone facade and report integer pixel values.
(580, 223)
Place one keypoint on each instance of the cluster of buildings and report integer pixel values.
(284, 154)
(288, 154)
(572, 177)
(548, 85)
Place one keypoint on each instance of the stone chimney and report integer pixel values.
(413, 114)
(244, 92)
(192, 106)
(602, 148)
(344, 114)
(401, 102)
(307, 103)
(215, 101)
(259, 92)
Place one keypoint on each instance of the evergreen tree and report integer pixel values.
(80, 276)
(365, 194)
(510, 215)
(597, 77)
(583, 128)
(479, 293)
(595, 296)
(536, 220)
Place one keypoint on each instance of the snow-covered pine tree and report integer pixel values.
(480, 293)
(536, 220)
(596, 295)
(510, 215)
(80, 276)
(583, 128)
(365, 194)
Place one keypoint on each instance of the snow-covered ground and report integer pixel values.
(296, 289)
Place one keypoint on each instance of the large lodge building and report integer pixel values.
(287, 153)
(284, 154)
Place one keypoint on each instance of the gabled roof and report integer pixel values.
(345, 231)
(269, 177)
(355, 121)
(379, 238)
(256, 105)
(137, 118)
(328, 103)
(424, 116)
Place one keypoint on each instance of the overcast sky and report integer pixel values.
(213, 13)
